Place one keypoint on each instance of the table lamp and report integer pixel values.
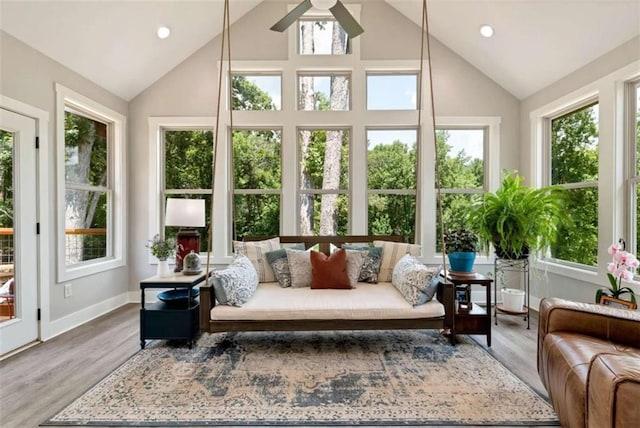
(187, 214)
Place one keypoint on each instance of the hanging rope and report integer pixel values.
(425, 36)
(226, 36)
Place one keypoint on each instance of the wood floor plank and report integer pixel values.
(40, 381)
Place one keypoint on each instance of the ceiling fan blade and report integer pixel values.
(292, 16)
(348, 22)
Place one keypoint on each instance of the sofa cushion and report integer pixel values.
(391, 253)
(329, 271)
(373, 301)
(256, 252)
(417, 282)
(236, 284)
(355, 258)
(567, 357)
(299, 267)
(371, 265)
(278, 261)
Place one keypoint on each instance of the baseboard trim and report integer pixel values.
(76, 319)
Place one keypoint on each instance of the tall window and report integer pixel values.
(256, 91)
(633, 207)
(324, 181)
(91, 191)
(324, 92)
(461, 173)
(574, 165)
(188, 154)
(321, 36)
(257, 176)
(392, 181)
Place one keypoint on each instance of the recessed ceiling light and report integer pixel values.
(486, 30)
(163, 32)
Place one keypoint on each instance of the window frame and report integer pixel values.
(578, 105)
(158, 191)
(631, 167)
(116, 172)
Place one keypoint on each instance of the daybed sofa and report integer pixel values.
(589, 362)
(368, 306)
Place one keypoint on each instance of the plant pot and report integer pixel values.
(513, 299)
(462, 261)
(164, 270)
(510, 254)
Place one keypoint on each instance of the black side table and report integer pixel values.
(160, 320)
(471, 318)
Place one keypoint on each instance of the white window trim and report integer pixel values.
(157, 125)
(492, 173)
(609, 90)
(117, 164)
(631, 174)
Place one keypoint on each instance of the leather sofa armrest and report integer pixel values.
(602, 322)
(613, 390)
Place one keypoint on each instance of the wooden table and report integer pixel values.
(471, 318)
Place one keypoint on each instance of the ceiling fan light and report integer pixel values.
(323, 4)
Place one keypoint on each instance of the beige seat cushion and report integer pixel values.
(367, 301)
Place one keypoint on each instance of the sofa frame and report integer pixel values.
(445, 295)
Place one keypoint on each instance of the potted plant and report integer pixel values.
(623, 266)
(518, 219)
(461, 245)
(162, 249)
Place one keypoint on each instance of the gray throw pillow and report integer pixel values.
(300, 267)
(236, 284)
(370, 265)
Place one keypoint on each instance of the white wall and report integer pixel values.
(601, 75)
(190, 90)
(28, 76)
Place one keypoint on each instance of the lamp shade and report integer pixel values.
(185, 212)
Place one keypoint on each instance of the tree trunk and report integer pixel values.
(307, 102)
(77, 201)
(333, 149)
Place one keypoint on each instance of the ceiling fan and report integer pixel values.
(337, 9)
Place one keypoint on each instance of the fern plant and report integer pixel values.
(518, 219)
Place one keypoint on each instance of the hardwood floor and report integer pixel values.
(40, 381)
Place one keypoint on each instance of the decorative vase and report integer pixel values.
(513, 299)
(462, 261)
(163, 269)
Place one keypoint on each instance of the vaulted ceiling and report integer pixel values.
(113, 43)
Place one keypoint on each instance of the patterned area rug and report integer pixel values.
(310, 378)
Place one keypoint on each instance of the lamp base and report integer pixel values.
(187, 240)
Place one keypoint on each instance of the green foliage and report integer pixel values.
(247, 96)
(517, 218)
(6, 179)
(161, 248)
(460, 240)
(574, 159)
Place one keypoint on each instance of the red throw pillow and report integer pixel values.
(329, 272)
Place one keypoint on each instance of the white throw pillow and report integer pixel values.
(236, 284)
(257, 251)
(391, 253)
(355, 259)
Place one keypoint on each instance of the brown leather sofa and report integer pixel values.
(589, 361)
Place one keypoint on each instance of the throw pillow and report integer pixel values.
(255, 251)
(299, 267)
(391, 253)
(417, 282)
(371, 265)
(355, 259)
(236, 284)
(329, 271)
(280, 265)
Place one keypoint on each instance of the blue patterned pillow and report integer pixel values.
(236, 284)
(417, 282)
